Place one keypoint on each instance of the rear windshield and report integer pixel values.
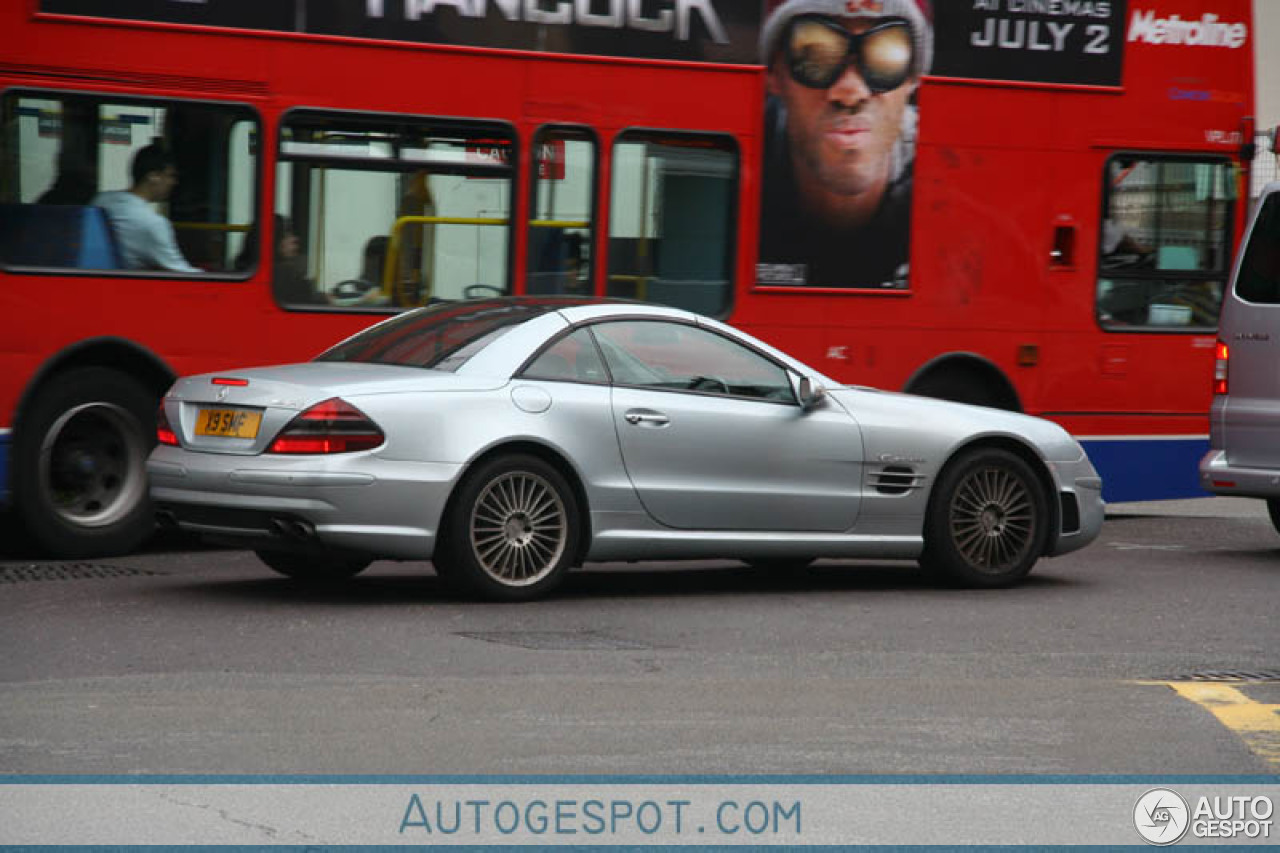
(1259, 279)
(442, 337)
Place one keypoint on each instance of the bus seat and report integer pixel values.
(54, 235)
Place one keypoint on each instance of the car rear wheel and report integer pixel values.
(511, 531)
(315, 568)
(987, 520)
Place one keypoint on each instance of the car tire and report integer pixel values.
(511, 530)
(1273, 510)
(987, 521)
(79, 464)
(314, 568)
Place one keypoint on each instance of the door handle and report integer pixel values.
(643, 416)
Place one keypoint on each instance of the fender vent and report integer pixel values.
(895, 480)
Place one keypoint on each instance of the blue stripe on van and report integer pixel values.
(1141, 468)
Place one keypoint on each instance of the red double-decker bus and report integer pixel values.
(1028, 204)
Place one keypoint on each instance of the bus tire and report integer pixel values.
(79, 464)
(987, 521)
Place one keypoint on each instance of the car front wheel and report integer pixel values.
(511, 531)
(987, 521)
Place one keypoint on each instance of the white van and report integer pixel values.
(1244, 425)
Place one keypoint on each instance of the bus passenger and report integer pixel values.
(146, 238)
(840, 140)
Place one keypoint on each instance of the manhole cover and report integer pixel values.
(555, 640)
(67, 572)
(1230, 675)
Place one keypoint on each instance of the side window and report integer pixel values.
(1259, 279)
(573, 358)
(1164, 244)
(391, 211)
(671, 219)
(681, 357)
(110, 183)
(560, 229)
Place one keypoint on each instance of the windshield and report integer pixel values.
(441, 337)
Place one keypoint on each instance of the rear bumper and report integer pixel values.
(382, 509)
(1218, 476)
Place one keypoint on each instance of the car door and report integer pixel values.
(713, 439)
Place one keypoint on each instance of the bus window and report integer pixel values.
(110, 183)
(1164, 243)
(671, 219)
(395, 211)
(561, 227)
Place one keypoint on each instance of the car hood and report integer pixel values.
(296, 386)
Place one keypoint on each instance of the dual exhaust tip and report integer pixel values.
(292, 529)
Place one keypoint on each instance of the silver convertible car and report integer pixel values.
(509, 440)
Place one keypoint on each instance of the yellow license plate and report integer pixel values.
(228, 423)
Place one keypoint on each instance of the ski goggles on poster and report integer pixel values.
(819, 49)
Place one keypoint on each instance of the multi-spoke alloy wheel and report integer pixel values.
(512, 529)
(988, 519)
(992, 519)
(519, 529)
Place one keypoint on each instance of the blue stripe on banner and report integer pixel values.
(1143, 469)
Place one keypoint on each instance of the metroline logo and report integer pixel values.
(1208, 31)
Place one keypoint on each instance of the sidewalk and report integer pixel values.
(1194, 508)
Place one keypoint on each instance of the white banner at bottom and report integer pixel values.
(590, 811)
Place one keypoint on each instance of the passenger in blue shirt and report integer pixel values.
(147, 240)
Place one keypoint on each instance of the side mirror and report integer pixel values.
(808, 392)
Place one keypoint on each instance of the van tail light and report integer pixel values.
(1223, 353)
(334, 426)
(164, 432)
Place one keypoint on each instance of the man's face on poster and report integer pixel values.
(841, 135)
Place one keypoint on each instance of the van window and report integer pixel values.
(71, 198)
(1259, 279)
(1164, 243)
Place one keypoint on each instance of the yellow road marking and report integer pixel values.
(1258, 725)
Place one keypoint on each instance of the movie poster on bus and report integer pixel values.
(840, 128)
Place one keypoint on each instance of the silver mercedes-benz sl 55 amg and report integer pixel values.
(508, 440)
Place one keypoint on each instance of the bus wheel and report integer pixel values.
(987, 520)
(79, 464)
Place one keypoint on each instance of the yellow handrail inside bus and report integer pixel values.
(391, 263)
(559, 223)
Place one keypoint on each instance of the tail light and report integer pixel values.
(1220, 363)
(334, 426)
(164, 432)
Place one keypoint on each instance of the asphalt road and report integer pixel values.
(189, 660)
